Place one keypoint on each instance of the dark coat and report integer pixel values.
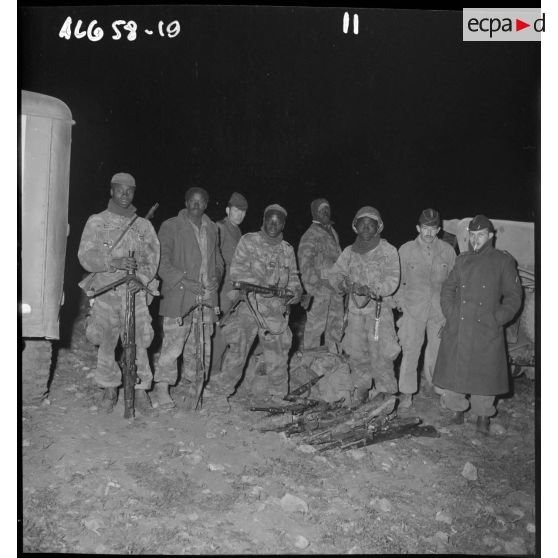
(480, 296)
(181, 261)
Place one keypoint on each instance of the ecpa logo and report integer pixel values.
(501, 24)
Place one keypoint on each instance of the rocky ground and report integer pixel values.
(209, 482)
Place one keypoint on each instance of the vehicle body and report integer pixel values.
(45, 143)
(517, 238)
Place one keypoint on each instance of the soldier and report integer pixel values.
(229, 235)
(317, 252)
(482, 294)
(191, 269)
(262, 258)
(425, 265)
(366, 269)
(105, 322)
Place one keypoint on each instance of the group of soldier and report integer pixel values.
(221, 290)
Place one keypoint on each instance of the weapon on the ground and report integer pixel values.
(296, 393)
(128, 360)
(295, 409)
(331, 426)
(85, 283)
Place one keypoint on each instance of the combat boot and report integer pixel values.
(162, 399)
(456, 417)
(405, 400)
(110, 397)
(483, 425)
(142, 403)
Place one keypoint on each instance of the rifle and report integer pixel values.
(199, 337)
(295, 409)
(378, 310)
(269, 290)
(296, 393)
(128, 360)
(85, 283)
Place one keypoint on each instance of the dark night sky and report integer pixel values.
(279, 104)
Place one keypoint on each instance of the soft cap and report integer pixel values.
(123, 178)
(369, 211)
(275, 207)
(430, 218)
(481, 222)
(239, 201)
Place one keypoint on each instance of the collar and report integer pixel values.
(116, 209)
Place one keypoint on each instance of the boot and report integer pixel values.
(405, 400)
(110, 397)
(483, 425)
(456, 417)
(162, 399)
(142, 403)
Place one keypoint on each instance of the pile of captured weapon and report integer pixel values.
(333, 426)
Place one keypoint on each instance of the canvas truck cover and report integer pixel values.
(45, 141)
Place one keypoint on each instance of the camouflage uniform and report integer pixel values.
(259, 262)
(369, 359)
(424, 267)
(106, 318)
(317, 252)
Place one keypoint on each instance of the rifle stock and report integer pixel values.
(129, 367)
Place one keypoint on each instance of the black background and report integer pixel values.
(281, 105)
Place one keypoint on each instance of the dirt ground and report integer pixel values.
(209, 482)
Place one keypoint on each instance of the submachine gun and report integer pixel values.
(128, 360)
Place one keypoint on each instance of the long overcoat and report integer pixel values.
(480, 296)
(181, 260)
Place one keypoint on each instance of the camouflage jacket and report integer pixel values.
(424, 267)
(378, 269)
(259, 262)
(99, 234)
(318, 250)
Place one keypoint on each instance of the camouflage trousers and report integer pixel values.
(240, 333)
(182, 339)
(481, 405)
(371, 361)
(411, 335)
(105, 324)
(324, 317)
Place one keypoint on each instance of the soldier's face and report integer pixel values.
(274, 223)
(122, 195)
(479, 238)
(196, 204)
(324, 215)
(366, 228)
(236, 215)
(427, 234)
